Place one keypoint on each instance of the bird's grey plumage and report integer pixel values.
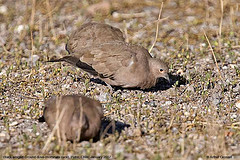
(71, 122)
(100, 49)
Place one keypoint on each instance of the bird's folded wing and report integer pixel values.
(107, 59)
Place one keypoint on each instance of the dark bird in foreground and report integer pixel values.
(81, 119)
(100, 50)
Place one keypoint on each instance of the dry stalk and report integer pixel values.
(106, 130)
(51, 20)
(220, 24)
(220, 27)
(40, 29)
(46, 146)
(81, 117)
(128, 16)
(31, 28)
(33, 14)
(25, 19)
(171, 122)
(215, 60)
(183, 142)
(157, 29)
(58, 103)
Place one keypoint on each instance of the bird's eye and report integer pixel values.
(161, 70)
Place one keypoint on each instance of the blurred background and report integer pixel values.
(48, 23)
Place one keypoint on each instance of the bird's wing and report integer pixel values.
(107, 59)
(92, 34)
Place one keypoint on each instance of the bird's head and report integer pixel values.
(159, 69)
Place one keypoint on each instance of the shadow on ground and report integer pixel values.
(162, 84)
(108, 127)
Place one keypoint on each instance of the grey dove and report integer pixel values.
(72, 126)
(100, 49)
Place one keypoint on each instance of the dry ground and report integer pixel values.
(195, 117)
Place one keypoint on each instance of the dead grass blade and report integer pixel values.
(215, 60)
(157, 29)
(55, 128)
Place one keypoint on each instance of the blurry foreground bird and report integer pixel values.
(81, 117)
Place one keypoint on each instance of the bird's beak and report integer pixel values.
(167, 78)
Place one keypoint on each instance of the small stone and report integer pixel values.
(190, 88)
(13, 123)
(141, 156)
(187, 114)
(4, 136)
(119, 148)
(180, 72)
(20, 28)
(224, 67)
(238, 104)
(102, 97)
(3, 9)
(167, 103)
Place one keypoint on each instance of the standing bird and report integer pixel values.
(81, 117)
(100, 49)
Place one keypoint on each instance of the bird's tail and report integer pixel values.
(70, 59)
(56, 60)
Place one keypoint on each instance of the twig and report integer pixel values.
(157, 29)
(45, 148)
(215, 60)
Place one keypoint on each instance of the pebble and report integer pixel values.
(4, 136)
(141, 156)
(3, 9)
(187, 114)
(224, 67)
(102, 97)
(119, 148)
(238, 104)
(190, 88)
(20, 28)
(13, 123)
(167, 103)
